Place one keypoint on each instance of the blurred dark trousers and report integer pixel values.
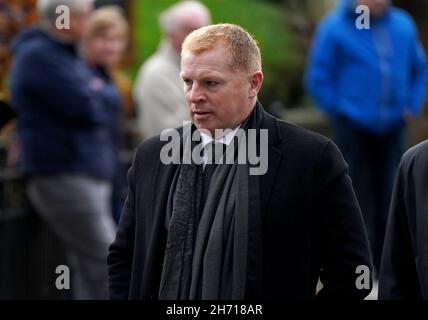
(78, 209)
(373, 161)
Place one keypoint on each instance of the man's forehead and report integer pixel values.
(200, 71)
(215, 58)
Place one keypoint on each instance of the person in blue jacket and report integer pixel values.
(369, 82)
(64, 126)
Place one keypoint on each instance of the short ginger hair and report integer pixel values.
(244, 50)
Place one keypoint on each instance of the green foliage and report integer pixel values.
(266, 21)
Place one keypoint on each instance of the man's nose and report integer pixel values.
(195, 94)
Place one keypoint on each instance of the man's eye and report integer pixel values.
(187, 82)
(211, 83)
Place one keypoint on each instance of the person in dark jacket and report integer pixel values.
(369, 82)
(404, 268)
(67, 153)
(244, 229)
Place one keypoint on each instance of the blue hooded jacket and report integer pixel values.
(372, 76)
(65, 115)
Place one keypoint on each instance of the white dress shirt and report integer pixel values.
(227, 139)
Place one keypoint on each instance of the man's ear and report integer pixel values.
(256, 81)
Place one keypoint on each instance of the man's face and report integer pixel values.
(79, 21)
(218, 97)
(377, 7)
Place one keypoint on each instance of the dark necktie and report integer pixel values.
(212, 150)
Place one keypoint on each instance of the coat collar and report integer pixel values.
(271, 124)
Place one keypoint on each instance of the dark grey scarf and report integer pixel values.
(209, 261)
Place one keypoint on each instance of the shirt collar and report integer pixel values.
(227, 139)
(206, 139)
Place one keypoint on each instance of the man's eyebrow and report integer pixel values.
(203, 75)
(215, 76)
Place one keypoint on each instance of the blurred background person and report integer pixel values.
(103, 48)
(158, 89)
(369, 82)
(64, 126)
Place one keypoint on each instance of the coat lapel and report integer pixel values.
(274, 158)
(259, 193)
